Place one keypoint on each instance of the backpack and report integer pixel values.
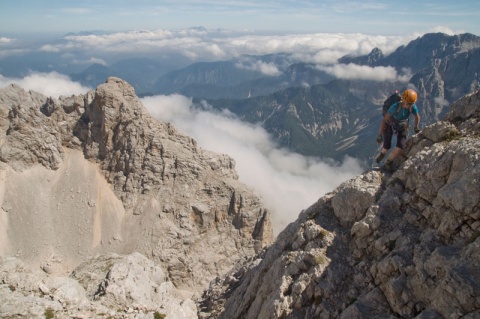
(395, 97)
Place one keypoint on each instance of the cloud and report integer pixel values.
(445, 29)
(287, 182)
(12, 52)
(5, 40)
(9, 47)
(440, 101)
(50, 84)
(266, 68)
(363, 72)
(91, 60)
(200, 44)
(50, 48)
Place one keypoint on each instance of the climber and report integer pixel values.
(396, 121)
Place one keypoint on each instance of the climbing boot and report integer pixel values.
(388, 166)
(380, 157)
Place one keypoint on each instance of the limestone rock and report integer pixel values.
(353, 197)
(408, 250)
(95, 174)
(129, 286)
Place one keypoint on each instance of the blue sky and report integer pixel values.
(273, 16)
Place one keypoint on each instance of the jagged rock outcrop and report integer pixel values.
(96, 174)
(407, 249)
(98, 288)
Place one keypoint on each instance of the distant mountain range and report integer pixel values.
(237, 78)
(304, 107)
(141, 73)
(320, 120)
(443, 69)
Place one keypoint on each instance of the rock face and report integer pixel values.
(401, 245)
(90, 175)
(98, 288)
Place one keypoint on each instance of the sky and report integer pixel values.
(272, 16)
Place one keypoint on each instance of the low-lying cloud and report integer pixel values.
(200, 44)
(266, 68)
(441, 101)
(51, 84)
(362, 72)
(5, 40)
(287, 182)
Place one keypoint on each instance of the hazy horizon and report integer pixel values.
(176, 49)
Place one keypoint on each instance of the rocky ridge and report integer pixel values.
(401, 245)
(88, 176)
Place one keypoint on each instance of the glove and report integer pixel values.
(379, 139)
(416, 129)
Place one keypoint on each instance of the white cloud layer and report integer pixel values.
(363, 72)
(5, 40)
(199, 44)
(288, 182)
(50, 84)
(266, 68)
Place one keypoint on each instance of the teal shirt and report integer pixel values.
(403, 113)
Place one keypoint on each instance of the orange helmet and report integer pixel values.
(410, 96)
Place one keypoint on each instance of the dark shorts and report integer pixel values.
(402, 135)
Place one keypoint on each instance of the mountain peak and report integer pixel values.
(95, 174)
